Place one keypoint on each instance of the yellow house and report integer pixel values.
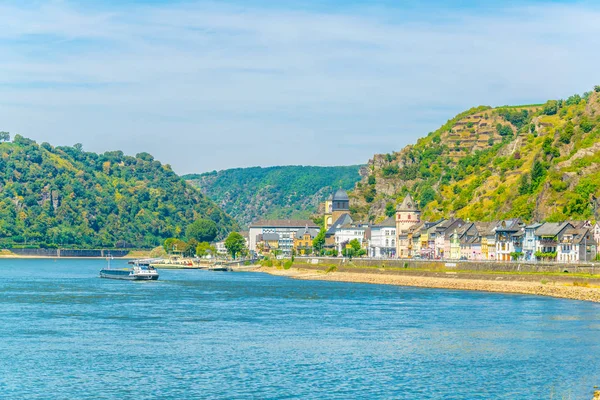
(484, 248)
(268, 242)
(303, 241)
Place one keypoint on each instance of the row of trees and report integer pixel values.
(199, 236)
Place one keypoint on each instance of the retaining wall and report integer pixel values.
(456, 265)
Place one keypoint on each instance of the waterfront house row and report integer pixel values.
(405, 235)
(504, 240)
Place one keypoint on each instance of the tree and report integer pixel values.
(319, 241)
(524, 186)
(427, 197)
(235, 244)
(551, 107)
(175, 245)
(4, 136)
(169, 243)
(319, 220)
(203, 230)
(504, 130)
(538, 173)
(565, 135)
(390, 210)
(586, 125)
(355, 249)
(204, 249)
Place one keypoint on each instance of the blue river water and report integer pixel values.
(67, 334)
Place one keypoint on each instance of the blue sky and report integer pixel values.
(213, 85)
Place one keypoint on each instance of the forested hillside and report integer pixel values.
(64, 196)
(537, 162)
(275, 192)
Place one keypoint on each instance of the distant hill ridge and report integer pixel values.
(249, 194)
(67, 197)
(537, 162)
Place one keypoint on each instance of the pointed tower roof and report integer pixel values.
(408, 204)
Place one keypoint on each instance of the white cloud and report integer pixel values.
(206, 86)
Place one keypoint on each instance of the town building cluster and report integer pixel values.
(406, 236)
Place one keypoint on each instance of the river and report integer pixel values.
(65, 334)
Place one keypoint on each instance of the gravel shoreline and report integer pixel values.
(552, 289)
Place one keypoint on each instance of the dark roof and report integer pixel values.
(388, 222)
(340, 195)
(312, 232)
(449, 226)
(284, 223)
(486, 228)
(552, 228)
(270, 236)
(579, 235)
(509, 225)
(344, 219)
(535, 225)
(579, 224)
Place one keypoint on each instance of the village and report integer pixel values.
(407, 236)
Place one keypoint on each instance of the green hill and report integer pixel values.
(248, 194)
(68, 197)
(537, 162)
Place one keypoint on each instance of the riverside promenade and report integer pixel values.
(543, 280)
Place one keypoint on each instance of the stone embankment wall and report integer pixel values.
(68, 253)
(455, 265)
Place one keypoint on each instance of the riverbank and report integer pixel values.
(132, 255)
(575, 288)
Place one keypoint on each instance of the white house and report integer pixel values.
(383, 239)
(509, 239)
(576, 245)
(549, 235)
(347, 233)
(529, 243)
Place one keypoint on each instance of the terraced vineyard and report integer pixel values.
(534, 161)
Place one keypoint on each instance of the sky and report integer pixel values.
(213, 85)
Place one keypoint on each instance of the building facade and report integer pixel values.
(383, 239)
(346, 233)
(407, 215)
(303, 241)
(285, 229)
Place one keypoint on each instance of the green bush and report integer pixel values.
(390, 170)
(558, 185)
(550, 108)
(288, 264)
